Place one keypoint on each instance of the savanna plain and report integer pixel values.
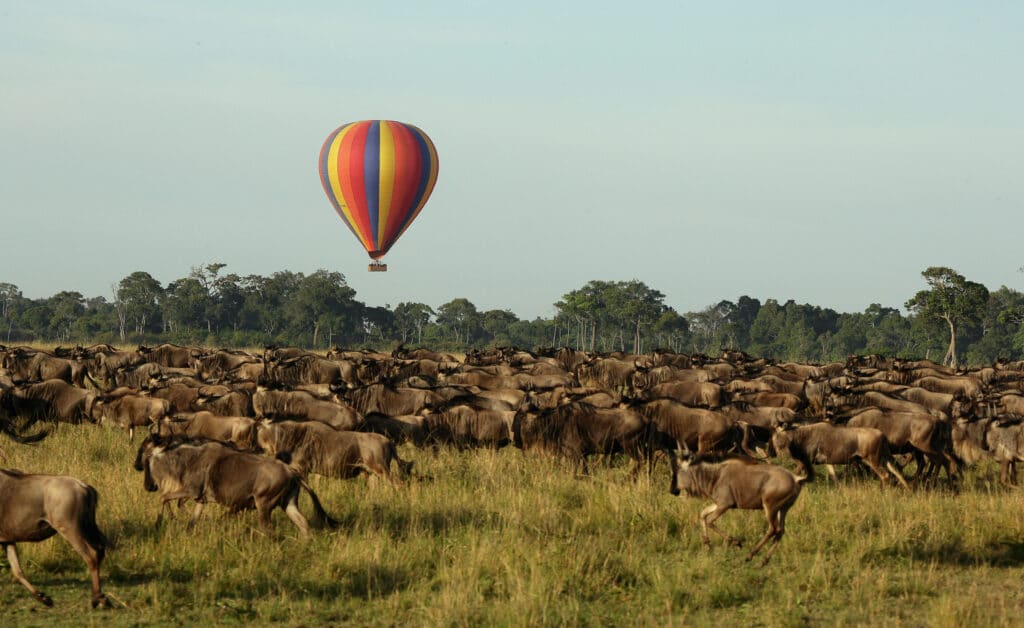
(499, 538)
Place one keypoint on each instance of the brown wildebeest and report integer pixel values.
(52, 400)
(577, 430)
(170, 355)
(238, 430)
(739, 482)
(284, 404)
(700, 394)
(916, 433)
(399, 429)
(317, 448)
(205, 471)
(465, 426)
(828, 444)
(130, 411)
(34, 507)
(393, 401)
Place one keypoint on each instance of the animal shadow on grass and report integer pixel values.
(995, 554)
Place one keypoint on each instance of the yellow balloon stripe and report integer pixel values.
(334, 176)
(387, 180)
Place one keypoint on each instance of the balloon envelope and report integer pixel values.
(378, 174)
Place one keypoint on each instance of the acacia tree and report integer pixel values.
(410, 317)
(460, 317)
(10, 296)
(138, 296)
(617, 307)
(951, 299)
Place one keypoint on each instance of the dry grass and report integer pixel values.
(485, 538)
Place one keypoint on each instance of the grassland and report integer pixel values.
(493, 538)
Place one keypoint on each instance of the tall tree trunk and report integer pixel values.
(951, 352)
(316, 332)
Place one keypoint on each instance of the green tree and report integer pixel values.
(66, 307)
(139, 295)
(324, 300)
(952, 299)
(460, 318)
(999, 327)
(496, 326)
(614, 309)
(412, 317)
(10, 303)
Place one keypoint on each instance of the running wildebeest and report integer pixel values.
(34, 507)
(204, 471)
(732, 481)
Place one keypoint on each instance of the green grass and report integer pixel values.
(487, 538)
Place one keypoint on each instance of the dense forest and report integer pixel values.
(950, 319)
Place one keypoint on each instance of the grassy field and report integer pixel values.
(485, 538)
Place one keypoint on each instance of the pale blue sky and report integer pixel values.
(825, 152)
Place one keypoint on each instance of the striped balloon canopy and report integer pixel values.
(378, 174)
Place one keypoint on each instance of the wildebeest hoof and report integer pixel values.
(735, 543)
(44, 598)
(100, 601)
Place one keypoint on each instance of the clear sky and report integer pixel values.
(821, 151)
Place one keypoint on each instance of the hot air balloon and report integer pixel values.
(378, 174)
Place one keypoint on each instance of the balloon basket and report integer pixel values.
(377, 267)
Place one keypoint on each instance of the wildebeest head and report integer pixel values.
(152, 444)
(781, 439)
(682, 477)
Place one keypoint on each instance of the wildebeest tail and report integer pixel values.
(285, 457)
(321, 518)
(87, 523)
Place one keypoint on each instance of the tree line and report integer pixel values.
(950, 319)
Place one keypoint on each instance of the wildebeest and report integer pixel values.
(399, 429)
(285, 404)
(701, 394)
(739, 482)
(53, 400)
(578, 430)
(916, 433)
(1005, 439)
(825, 443)
(238, 430)
(678, 426)
(206, 471)
(34, 507)
(170, 355)
(465, 426)
(393, 401)
(316, 448)
(309, 369)
(35, 366)
(130, 411)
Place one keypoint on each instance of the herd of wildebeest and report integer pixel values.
(245, 429)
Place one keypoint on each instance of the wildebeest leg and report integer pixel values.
(780, 529)
(772, 516)
(93, 558)
(292, 510)
(832, 475)
(707, 520)
(181, 496)
(198, 510)
(891, 466)
(19, 575)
